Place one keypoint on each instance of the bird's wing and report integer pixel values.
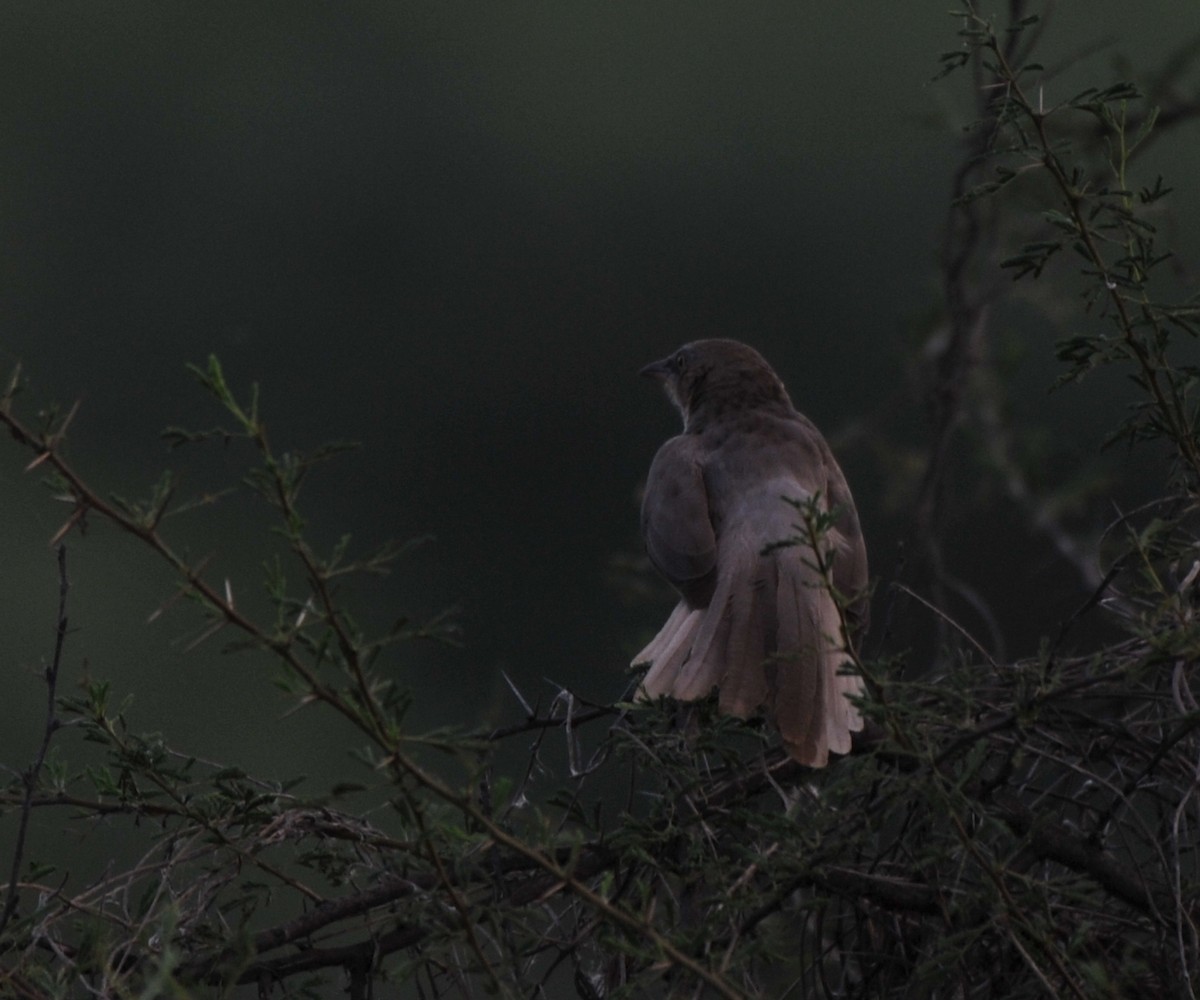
(675, 517)
(850, 552)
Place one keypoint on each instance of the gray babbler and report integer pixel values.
(756, 620)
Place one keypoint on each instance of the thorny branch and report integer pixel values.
(963, 391)
(32, 774)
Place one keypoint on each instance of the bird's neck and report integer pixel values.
(716, 401)
(713, 412)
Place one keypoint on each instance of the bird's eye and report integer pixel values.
(679, 361)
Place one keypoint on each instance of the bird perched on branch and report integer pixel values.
(732, 510)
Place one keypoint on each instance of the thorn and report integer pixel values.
(158, 612)
(38, 461)
(62, 428)
(181, 592)
(14, 383)
(201, 566)
(71, 521)
(529, 712)
(208, 633)
(304, 702)
(302, 617)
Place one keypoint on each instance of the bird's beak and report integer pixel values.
(660, 370)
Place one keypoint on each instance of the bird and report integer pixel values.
(721, 517)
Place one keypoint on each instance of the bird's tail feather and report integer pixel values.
(667, 650)
(770, 636)
(812, 711)
(751, 637)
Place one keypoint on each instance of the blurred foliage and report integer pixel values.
(1005, 829)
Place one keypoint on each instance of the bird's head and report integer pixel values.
(708, 378)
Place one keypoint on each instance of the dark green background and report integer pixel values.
(454, 232)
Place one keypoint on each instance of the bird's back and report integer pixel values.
(751, 464)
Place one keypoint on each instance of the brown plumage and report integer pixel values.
(754, 621)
